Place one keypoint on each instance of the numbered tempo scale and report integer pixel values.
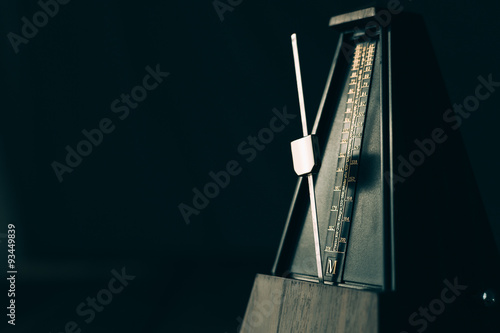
(350, 145)
(366, 245)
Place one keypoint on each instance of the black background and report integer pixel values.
(119, 207)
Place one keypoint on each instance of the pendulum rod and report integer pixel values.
(314, 214)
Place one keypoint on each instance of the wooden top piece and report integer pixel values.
(352, 16)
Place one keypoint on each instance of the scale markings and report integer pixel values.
(346, 172)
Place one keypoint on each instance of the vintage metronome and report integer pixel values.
(386, 231)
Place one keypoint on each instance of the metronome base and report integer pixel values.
(284, 305)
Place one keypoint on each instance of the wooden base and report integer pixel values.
(283, 306)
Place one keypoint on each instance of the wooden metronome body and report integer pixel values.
(414, 251)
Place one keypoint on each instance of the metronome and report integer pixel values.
(388, 232)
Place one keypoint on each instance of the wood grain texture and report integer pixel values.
(286, 306)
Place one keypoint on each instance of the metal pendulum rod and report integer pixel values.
(312, 195)
(299, 84)
(314, 215)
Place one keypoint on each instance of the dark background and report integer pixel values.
(119, 207)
